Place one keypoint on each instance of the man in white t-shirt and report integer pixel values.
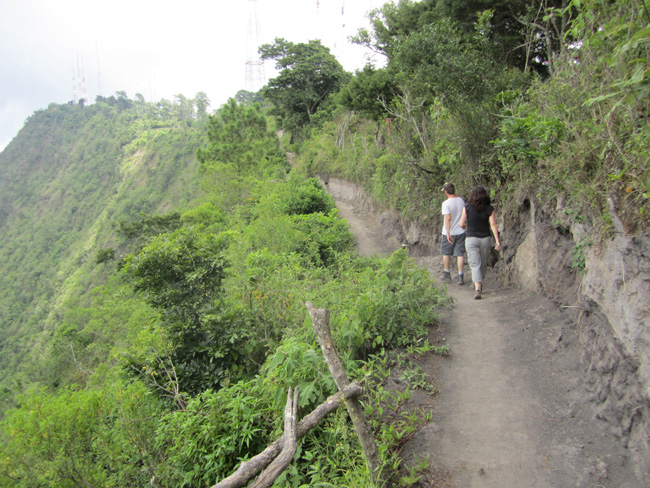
(453, 235)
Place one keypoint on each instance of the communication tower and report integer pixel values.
(79, 84)
(84, 92)
(74, 88)
(343, 41)
(255, 77)
(99, 73)
(332, 26)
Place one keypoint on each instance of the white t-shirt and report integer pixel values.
(453, 206)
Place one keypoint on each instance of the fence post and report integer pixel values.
(320, 318)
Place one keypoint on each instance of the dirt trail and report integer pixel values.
(512, 410)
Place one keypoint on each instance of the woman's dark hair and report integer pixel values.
(479, 198)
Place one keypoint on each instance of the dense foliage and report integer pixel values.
(309, 78)
(567, 125)
(157, 259)
(64, 181)
(169, 354)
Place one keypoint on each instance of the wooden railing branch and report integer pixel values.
(254, 466)
(320, 319)
(290, 445)
(277, 456)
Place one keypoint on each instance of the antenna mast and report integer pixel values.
(74, 88)
(99, 77)
(84, 93)
(255, 77)
(79, 83)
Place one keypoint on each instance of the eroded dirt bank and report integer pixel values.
(516, 406)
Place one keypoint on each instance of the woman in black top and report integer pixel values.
(478, 218)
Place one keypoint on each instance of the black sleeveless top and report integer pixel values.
(478, 222)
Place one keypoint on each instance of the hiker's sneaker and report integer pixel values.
(446, 277)
(477, 295)
(461, 279)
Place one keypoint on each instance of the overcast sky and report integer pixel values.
(157, 48)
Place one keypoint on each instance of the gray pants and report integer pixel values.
(478, 252)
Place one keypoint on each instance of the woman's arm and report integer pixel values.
(463, 219)
(495, 231)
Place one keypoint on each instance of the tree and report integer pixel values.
(123, 101)
(55, 441)
(183, 107)
(105, 255)
(180, 272)
(439, 64)
(439, 60)
(164, 109)
(246, 97)
(239, 135)
(143, 228)
(368, 92)
(181, 275)
(202, 102)
(394, 21)
(309, 76)
(522, 33)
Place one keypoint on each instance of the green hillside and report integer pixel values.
(157, 265)
(156, 260)
(65, 182)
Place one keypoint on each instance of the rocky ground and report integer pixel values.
(511, 410)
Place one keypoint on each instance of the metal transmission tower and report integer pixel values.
(255, 77)
(74, 88)
(99, 73)
(79, 83)
(331, 30)
(84, 93)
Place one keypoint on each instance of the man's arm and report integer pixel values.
(448, 227)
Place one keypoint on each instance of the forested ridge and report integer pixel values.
(164, 276)
(70, 176)
(156, 259)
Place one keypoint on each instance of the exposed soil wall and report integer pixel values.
(609, 301)
(615, 294)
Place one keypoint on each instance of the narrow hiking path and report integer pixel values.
(511, 410)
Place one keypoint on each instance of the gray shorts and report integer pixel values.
(457, 248)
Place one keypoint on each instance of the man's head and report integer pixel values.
(449, 188)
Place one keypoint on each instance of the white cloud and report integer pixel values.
(9, 113)
(158, 49)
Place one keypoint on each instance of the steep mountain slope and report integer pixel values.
(66, 180)
(205, 313)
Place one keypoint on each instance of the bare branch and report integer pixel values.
(270, 474)
(413, 163)
(76, 363)
(410, 109)
(320, 319)
(255, 465)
